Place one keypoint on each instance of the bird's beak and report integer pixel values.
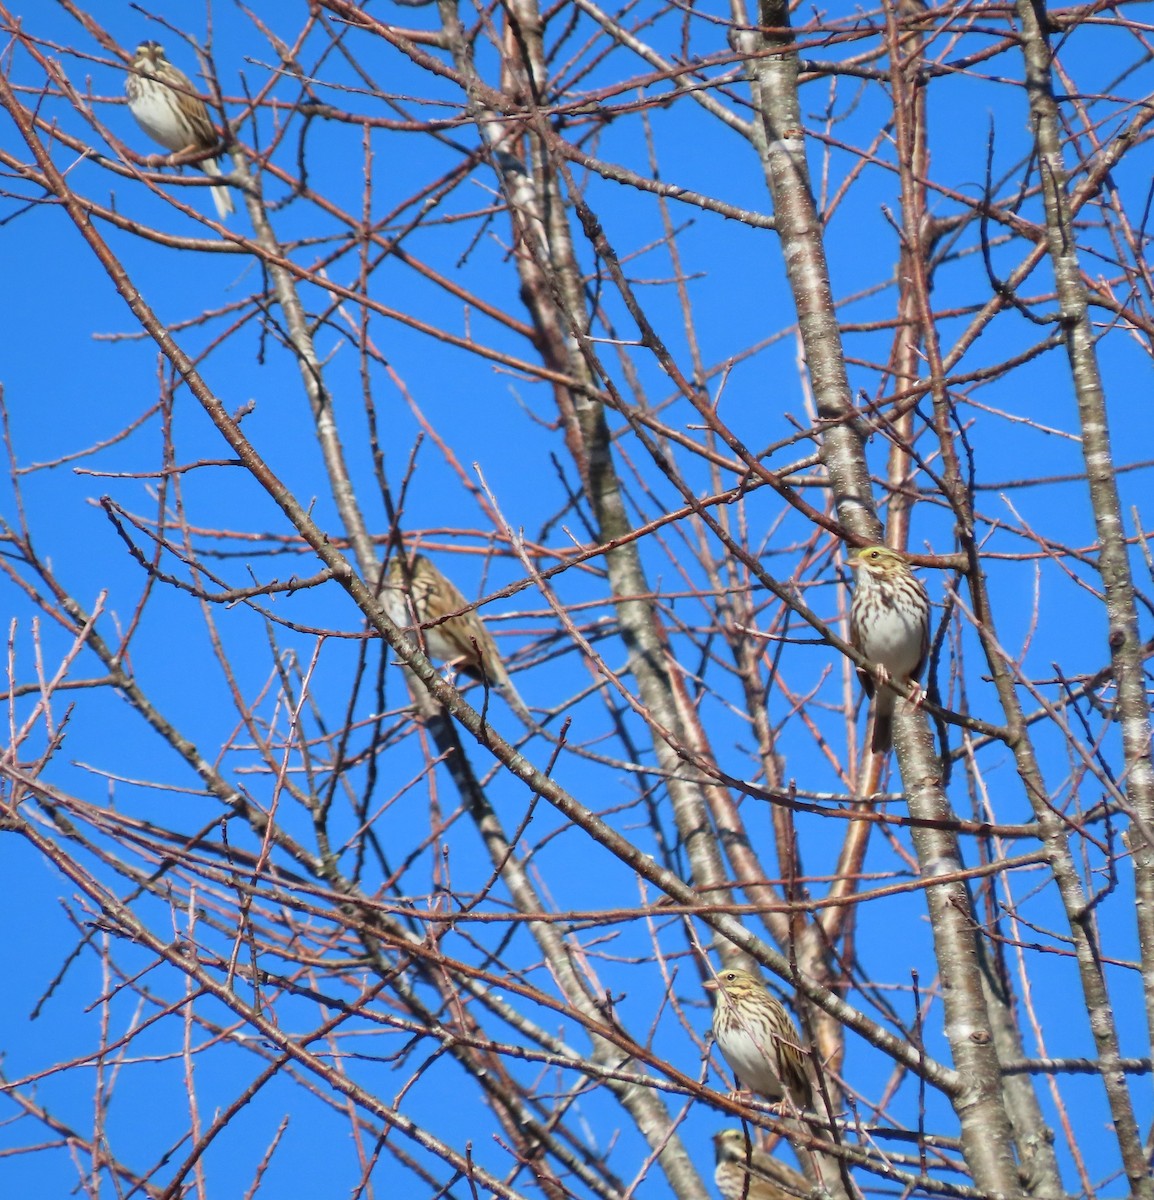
(853, 563)
(710, 986)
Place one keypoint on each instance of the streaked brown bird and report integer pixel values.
(746, 1173)
(889, 622)
(462, 641)
(758, 1039)
(167, 108)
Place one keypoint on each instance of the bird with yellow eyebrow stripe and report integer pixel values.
(889, 622)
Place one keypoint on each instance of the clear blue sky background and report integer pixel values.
(70, 381)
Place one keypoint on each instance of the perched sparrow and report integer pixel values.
(167, 108)
(757, 1038)
(462, 641)
(745, 1173)
(889, 622)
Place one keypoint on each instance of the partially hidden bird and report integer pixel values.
(758, 1039)
(167, 108)
(744, 1172)
(889, 622)
(462, 640)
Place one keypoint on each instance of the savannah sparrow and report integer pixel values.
(462, 641)
(757, 1038)
(167, 108)
(745, 1173)
(889, 622)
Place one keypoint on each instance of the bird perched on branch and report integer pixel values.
(758, 1039)
(462, 641)
(889, 622)
(167, 108)
(745, 1173)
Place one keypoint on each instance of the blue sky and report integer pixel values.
(77, 373)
